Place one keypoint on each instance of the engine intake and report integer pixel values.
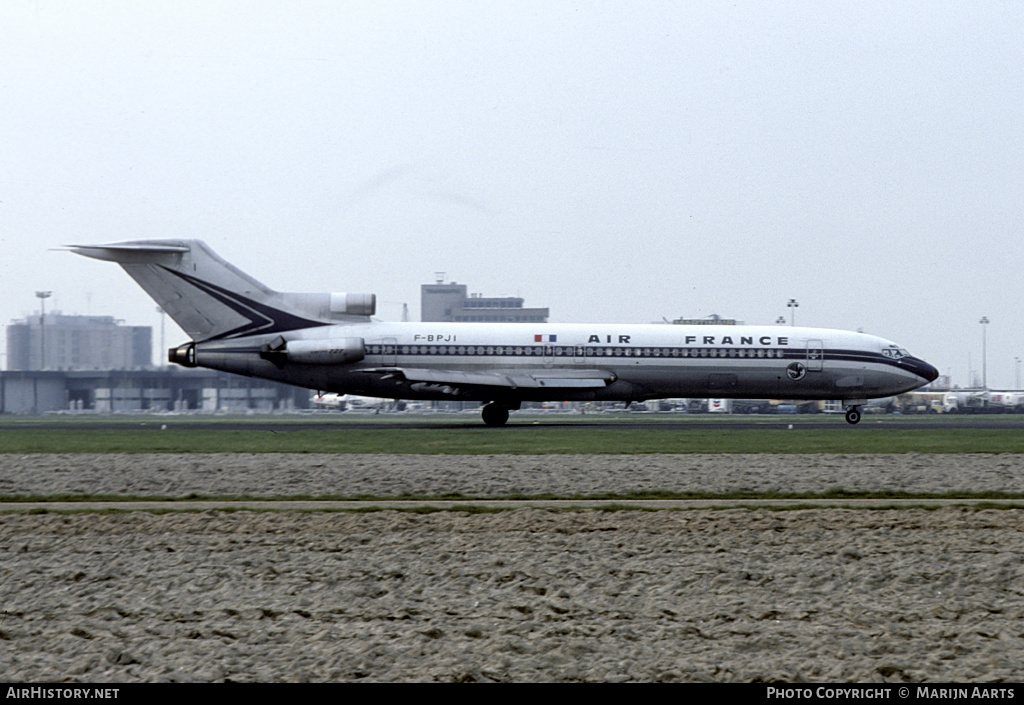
(353, 304)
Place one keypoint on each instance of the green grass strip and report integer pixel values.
(511, 440)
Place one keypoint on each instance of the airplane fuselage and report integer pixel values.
(637, 362)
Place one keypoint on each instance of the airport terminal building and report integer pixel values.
(57, 342)
(450, 303)
(155, 390)
(82, 364)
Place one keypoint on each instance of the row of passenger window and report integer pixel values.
(570, 351)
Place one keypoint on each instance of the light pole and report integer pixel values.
(984, 353)
(780, 321)
(792, 313)
(161, 312)
(1017, 360)
(42, 296)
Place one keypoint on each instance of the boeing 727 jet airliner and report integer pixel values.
(329, 342)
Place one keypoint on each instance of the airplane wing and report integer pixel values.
(503, 379)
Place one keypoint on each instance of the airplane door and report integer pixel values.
(579, 354)
(549, 355)
(815, 355)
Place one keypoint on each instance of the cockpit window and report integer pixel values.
(894, 352)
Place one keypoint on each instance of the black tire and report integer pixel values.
(495, 415)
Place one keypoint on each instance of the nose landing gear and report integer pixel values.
(853, 414)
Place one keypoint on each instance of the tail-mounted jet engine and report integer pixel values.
(332, 306)
(324, 351)
(184, 355)
(353, 304)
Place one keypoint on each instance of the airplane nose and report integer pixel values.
(923, 369)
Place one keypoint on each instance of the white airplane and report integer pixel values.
(328, 342)
(347, 401)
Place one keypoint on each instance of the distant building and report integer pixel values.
(451, 303)
(152, 390)
(59, 342)
(713, 320)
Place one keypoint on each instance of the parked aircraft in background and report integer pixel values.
(348, 402)
(329, 343)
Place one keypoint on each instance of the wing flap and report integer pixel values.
(508, 379)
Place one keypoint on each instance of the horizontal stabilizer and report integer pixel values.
(128, 251)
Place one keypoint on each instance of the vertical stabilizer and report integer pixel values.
(208, 297)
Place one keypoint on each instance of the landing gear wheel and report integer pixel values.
(495, 415)
(853, 415)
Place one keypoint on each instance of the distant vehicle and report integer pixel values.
(885, 405)
(923, 403)
(740, 406)
(983, 401)
(752, 406)
(719, 406)
(1010, 402)
(329, 343)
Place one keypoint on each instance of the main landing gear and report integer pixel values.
(853, 414)
(496, 414)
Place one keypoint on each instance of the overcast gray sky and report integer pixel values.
(615, 161)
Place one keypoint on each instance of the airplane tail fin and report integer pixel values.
(211, 299)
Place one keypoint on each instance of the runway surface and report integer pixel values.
(342, 425)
